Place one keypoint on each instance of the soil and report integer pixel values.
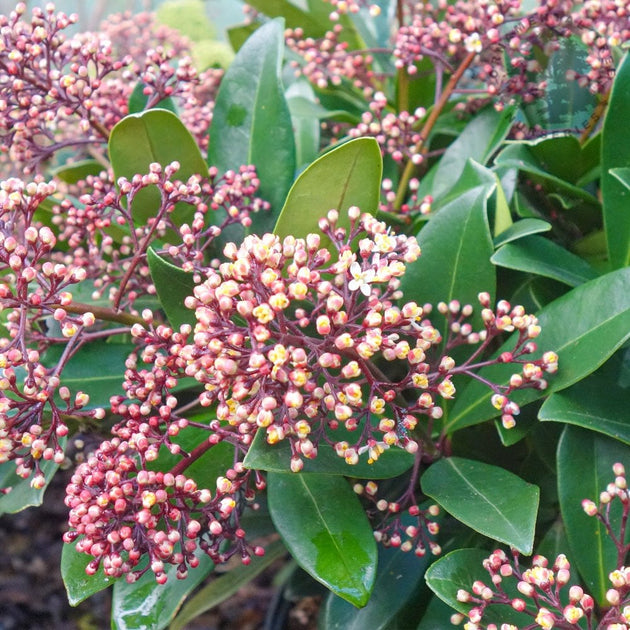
(32, 594)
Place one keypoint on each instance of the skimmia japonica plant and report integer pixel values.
(359, 300)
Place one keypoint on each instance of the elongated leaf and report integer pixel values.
(478, 141)
(326, 530)
(76, 171)
(585, 462)
(598, 403)
(352, 173)
(96, 370)
(156, 135)
(223, 587)
(397, 577)
(520, 229)
(277, 458)
(459, 570)
(79, 585)
(437, 615)
(489, 499)
(566, 104)
(151, 606)
(173, 286)
(22, 495)
(306, 125)
(251, 123)
(456, 246)
(616, 154)
(538, 159)
(138, 101)
(622, 174)
(543, 257)
(584, 326)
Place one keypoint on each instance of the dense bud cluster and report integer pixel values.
(58, 92)
(328, 61)
(124, 513)
(539, 587)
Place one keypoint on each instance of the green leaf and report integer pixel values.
(305, 125)
(352, 175)
(598, 403)
(251, 123)
(585, 462)
(325, 528)
(520, 229)
(456, 246)
(556, 162)
(479, 141)
(79, 585)
(294, 16)
(489, 499)
(622, 174)
(151, 606)
(584, 326)
(221, 588)
(155, 135)
(277, 458)
(566, 104)
(543, 257)
(22, 495)
(459, 570)
(437, 615)
(76, 171)
(616, 154)
(96, 370)
(398, 575)
(173, 286)
(138, 101)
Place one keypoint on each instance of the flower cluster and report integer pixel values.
(328, 60)
(33, 295)
(397, 134)
(537, 592)
(57, 93)
(289, 339)
(342, 7)
(121, 513)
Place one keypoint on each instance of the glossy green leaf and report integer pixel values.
(538, 255)
(251, 123)
(459, 570)
(584, 326)
(325, 528)
(585, 462)
(173, 286)
(151, 606)
(22, 495)
(500, 210)
(398, 575)
(489, 499)
(566, 104)
(95, 370)
(277, 458)
(76, 171)
(598, 403)
(554, 542)
(293, 15)
(305, 125)
(520, 229)
(352, 175)
(456, 246)
(223, 587)
(79, 585)
(437, 615)
(622, 174)
(479, 141)
(155, 135)
(541, 159)
(616, 154)
(138, 101)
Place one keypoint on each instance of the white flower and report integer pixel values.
(361, 279)
(473, 43)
